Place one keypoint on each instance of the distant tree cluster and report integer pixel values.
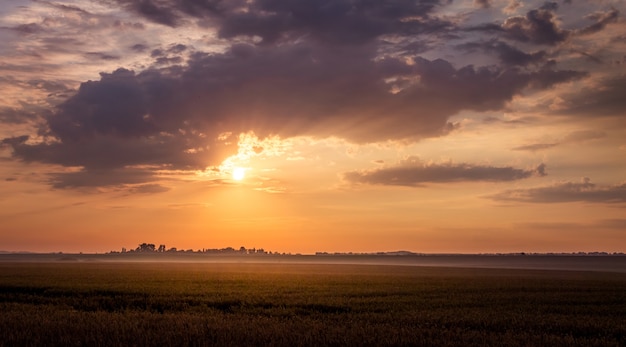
(148, 248)
(152, 248)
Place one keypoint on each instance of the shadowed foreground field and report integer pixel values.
(166, 304)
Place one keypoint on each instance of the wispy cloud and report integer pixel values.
(414, 173)
(583, 191)
(573, 137)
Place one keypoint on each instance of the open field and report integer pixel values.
(197, 304)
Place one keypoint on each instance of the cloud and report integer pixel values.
(512, 6)
(101, 56)
(583, 191)
(413, 173)
(309, 68)
(535, 147)
(507, 54)
(606, 98)
(331, 21)
(482, 3)
(602, 19)
(92, 178)
(538, 26)
(606, 224)
(149, 189)
(162, 117)
(154, 10)
(107, 153)
(492, 120)
(29, 28)
(583, 135)
(139, 47)
(613, 223)
(573, 137)
(14, 141)
(10, 115)
(173, 13)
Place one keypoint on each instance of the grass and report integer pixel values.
(169, 304)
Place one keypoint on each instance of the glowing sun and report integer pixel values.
(239, 173)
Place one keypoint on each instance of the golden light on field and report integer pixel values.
(239, 173)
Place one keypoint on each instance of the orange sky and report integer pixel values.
(436, 127)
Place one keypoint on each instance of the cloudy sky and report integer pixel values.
(313, 125)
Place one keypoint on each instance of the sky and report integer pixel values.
(434, 126)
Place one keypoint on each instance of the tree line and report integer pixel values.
(152, 248)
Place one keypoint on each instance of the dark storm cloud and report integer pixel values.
(584, 191)
(339, 21)
(414, 173)
(309, 90)
(538, 26)
(113, 106)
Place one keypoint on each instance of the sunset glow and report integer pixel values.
(302, 126)
(239, 173)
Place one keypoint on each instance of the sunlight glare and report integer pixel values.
(239, 173)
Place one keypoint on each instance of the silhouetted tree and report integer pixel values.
(146, 247)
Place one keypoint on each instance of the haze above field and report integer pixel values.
(302, 126)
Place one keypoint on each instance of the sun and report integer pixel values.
(239, 173)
